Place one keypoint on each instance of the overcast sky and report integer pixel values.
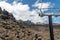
(29, 9)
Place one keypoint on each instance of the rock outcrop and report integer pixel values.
(10, 29)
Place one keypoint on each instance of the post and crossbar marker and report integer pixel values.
(50, 24)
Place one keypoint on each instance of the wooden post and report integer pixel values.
(51, 28)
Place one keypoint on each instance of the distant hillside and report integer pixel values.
(29, 23)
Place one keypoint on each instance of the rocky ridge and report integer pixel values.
(10, 29)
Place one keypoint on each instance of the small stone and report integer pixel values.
(39, 39)
(0, 39)
(17, 36)
(6, 36)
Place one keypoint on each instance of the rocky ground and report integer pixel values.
(10, 29)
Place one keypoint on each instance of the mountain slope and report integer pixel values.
(10, 29)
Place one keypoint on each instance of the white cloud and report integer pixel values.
(21, 11)
(43, 5)
(10, 7)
